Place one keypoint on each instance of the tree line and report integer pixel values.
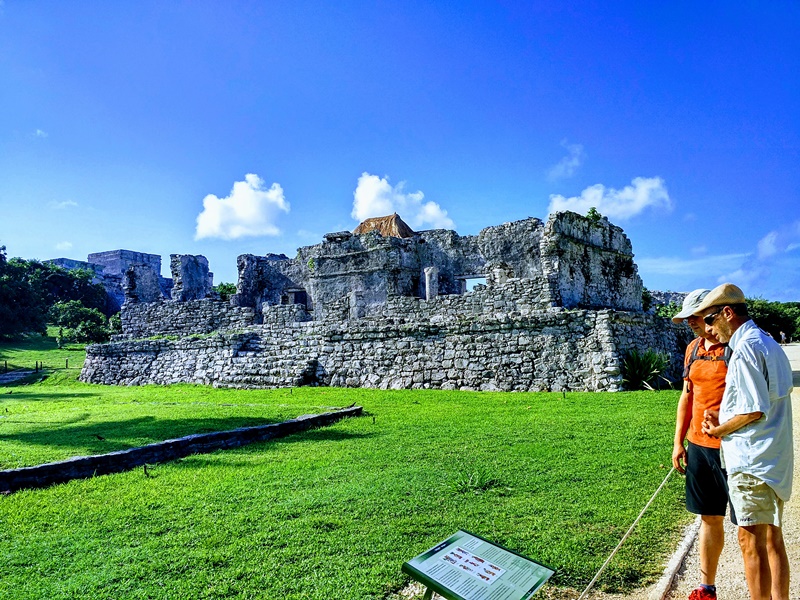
(34, 293)
(771, 316)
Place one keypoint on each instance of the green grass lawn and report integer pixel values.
(25, 352)
(333, 512)
(330, 513)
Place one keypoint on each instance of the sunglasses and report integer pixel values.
(709, 319)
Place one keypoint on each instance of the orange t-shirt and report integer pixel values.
(706, 379)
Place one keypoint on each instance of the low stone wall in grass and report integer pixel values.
(83, 467)
(497, 339)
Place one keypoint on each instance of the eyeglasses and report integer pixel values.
(709, 319)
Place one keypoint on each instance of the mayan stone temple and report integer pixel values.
(386, 307)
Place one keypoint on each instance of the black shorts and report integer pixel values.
(706, 481)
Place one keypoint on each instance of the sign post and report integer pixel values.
(468, 567)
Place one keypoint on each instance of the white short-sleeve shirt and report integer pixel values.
(759, 379)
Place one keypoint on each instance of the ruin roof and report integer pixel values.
(390, 226)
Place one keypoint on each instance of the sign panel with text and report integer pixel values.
(467, 567)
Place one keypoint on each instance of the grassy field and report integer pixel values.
(24, 353)
(334, 512)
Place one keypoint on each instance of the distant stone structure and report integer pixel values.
(659, 298)
(110, 269)
(388, 307)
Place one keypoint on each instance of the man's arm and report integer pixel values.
(682, 420)
(712, 426)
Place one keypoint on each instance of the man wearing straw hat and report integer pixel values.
(755, 425)
(705, 367)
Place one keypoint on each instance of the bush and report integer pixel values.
(80, 324)
(225, 290)
(668, 310)
(640, 371)
(115, 323)
(87, 331)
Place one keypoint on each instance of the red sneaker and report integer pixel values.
(702, 593)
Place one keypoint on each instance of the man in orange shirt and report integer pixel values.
(705, 367)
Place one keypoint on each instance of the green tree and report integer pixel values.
(56, 284)
(22, 308)
(225, 290)
(774, 317)
(80, 324)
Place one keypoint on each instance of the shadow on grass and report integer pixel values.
(262, 447)
(33, 396)
(323, 435)
(110, 436)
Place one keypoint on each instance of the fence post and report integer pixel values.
(66, 365)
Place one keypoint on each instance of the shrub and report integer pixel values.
(668, 310)
(80, 324)
(225, 290)
(641, 370)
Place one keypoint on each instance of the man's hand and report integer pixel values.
(712, 426)
(710, 422)
(679, 458)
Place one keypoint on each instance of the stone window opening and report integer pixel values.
(295, 296)
(468, 282)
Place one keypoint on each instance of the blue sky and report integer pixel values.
(224, 128)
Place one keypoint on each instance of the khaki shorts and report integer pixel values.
(753, 501)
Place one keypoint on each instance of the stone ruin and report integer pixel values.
(386, 307)
(110, 270)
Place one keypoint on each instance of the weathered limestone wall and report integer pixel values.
(589, 264)
(182, 318)
(561, 309)
(492, 339)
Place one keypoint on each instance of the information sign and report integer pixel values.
(467, 567)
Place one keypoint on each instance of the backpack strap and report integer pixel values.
(692, 357)
(726, 357)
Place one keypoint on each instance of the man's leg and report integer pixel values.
(753, 542)
(778, 563)
(712, 539)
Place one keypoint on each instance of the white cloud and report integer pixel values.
(376, 197)
(62, 205)
(38, 133)
(767, 246)
(771, 269)
(249, 210)
(699, 250)
(621, 204)
(64, 246)
(569, 164)
(671, 265)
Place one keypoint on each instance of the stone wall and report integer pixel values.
(561, 309)
(492, 339)
(182, 318)
(587, 263)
